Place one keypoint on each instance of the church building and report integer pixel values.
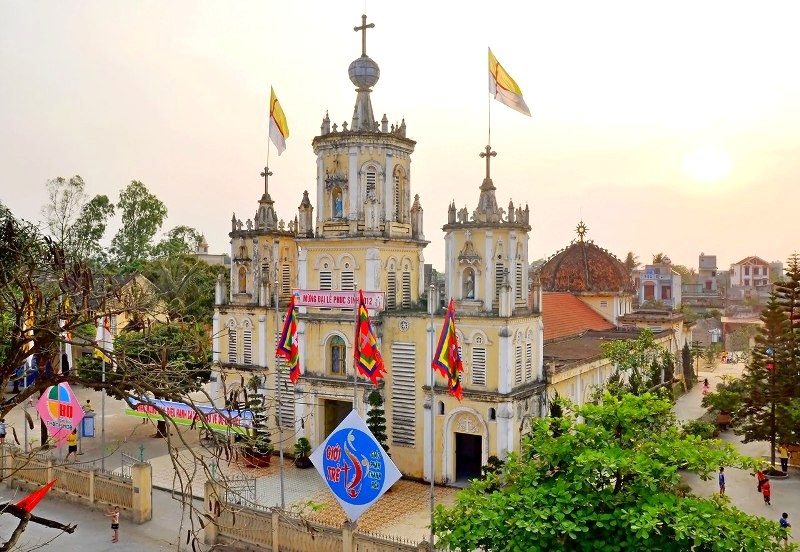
(364, 230)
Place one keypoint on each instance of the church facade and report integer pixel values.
(364, 230)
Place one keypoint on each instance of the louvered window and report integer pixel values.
(478, 368)
(348, 281)
(404, 390)
(528, 362)
(518, 365)
(397, 197)
(325, 281)
(391, 291)
(247, 346)
(371, 185)
(406, 290)
(499, 269)
(286, 280)
(232, 345)
(519, 282)
(285, 391)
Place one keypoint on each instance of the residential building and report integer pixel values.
(658, 283)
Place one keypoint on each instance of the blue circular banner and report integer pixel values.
(352, 464)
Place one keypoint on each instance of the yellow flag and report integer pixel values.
(278, 127)
(504, 88)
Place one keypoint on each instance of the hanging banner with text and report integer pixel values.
(375, 300)
(237, 421)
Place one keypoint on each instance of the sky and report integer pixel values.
(666, 127)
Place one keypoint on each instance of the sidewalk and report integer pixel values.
(740, 485)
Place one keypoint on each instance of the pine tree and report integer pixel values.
(688, 369)
(376, 419)
(768, 380)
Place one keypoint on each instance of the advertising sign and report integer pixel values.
(60, 411)
(338, 299)
(237, 421)
(354, 465)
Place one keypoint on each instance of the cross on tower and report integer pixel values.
(488, 154)
(363, 28)
(266, 174)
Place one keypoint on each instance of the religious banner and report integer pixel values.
(374, 300)
(60, 411)
(354, 466)
(236, 421)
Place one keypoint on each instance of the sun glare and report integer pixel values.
(707, 164)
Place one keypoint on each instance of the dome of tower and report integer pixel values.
(585, 267)
(364, 72)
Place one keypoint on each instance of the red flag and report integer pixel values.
(368, 357)
(29, 502)
(287, 344)
(447, 359)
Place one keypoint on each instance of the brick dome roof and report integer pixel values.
(585, 267)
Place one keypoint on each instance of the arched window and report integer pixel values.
(492, 415)
(242, 280)
(440, 408)
(337, 356)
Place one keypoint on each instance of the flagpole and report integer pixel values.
(431, 309)
(278, 391)
(355, 345)
(103, 419)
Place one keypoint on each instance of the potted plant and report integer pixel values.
(301, 449)
(257, 451)
(725, 403)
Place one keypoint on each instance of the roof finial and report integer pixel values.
(363, 28)
(581, 229)
(488, 154)
(266, 174)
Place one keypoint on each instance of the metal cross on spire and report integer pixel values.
(266, 174)
(363, 28)
(488, 154)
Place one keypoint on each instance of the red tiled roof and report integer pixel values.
(564, 315)
(752, 260)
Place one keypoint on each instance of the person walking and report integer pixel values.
(706, 387)
(760, 477)
(766, 491)
(3, 429)
(784, 453)
(785, 526)
(72, 446)
(114, 515)
(721, 480)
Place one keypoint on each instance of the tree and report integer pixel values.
(686, 363)
(660, 258)
(259, 442)
(142, 216)
(186, 284)
(90, 228)
(181, 240)
(631, 261)
(768, 382)
(640, 364)
(65, 201)
(611, 480)
(376, 419)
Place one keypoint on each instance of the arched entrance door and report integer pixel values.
(466, 445)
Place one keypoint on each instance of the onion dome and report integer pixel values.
(585, 267)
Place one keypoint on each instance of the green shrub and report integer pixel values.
(700, 428)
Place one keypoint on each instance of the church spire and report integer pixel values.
(364, 73)
(487, 210)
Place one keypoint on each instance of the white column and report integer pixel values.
(488, 273)
(320, 189)
(505, 429)
(353, 185)
(505, 361)
(263, 344)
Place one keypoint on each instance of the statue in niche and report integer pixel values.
(337, 204)
(469, 284)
